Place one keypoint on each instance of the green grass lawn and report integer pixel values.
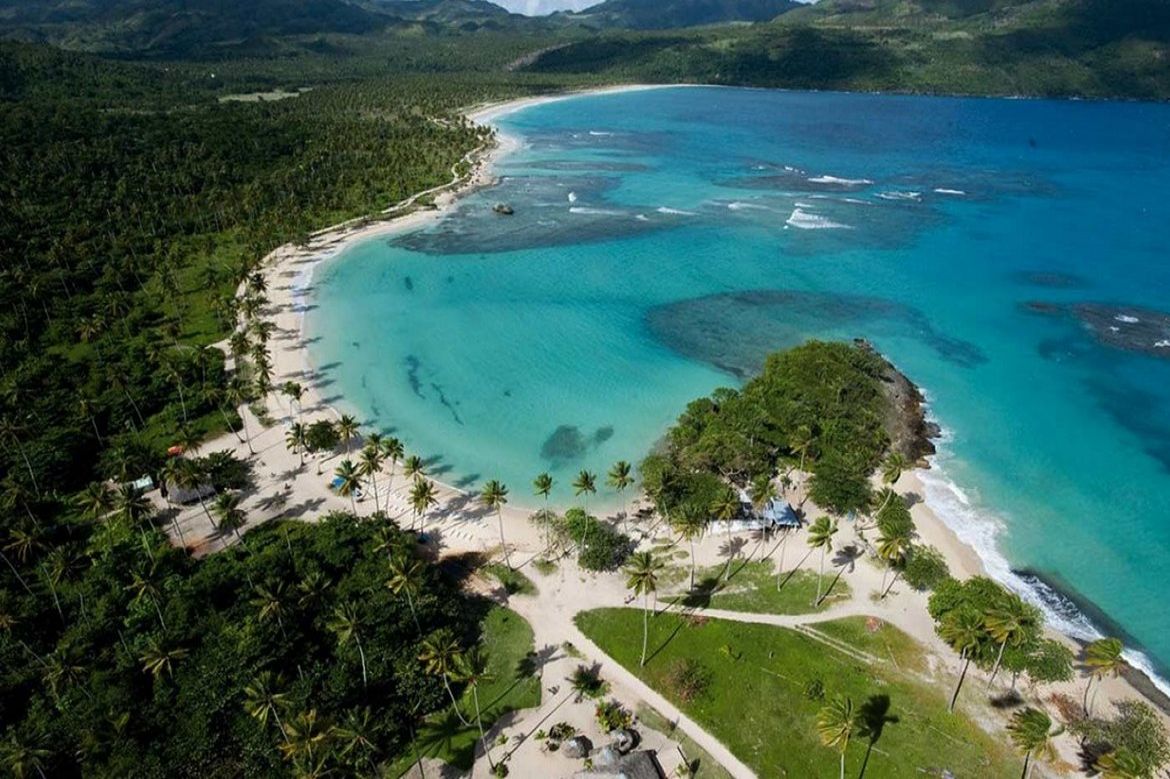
(514, 684)
(752, 587)
(513, 581)
(761, 696)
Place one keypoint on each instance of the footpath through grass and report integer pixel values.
(753, 588)
(512, 684)
(762, 686)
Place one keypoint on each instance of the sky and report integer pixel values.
(540, 7)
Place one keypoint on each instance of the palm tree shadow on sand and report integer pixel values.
(874, 715)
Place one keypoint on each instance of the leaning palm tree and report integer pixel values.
(473, 671)
(231, 516)
(347, 627)
(423, 496)
(894, 549)
(1102, 658)
(493, 496)
(349, 482)
(1031, 732)
(369, 465)
(620, 478)
(238, 393)
(965, 632)
(892, 469)
(1010, 624)
(642, 578)
(440, 656)
(393, 451)
(542, 485)
(836, 724)
(585, 484)
(264, 697)
(406, 579)
(347, 429)
(1120, 763)
(726, 508)
(820, 536)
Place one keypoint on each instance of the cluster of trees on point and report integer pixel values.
(307, 647)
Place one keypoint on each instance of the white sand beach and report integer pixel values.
(286, 488)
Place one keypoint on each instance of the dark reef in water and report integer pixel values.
(1129, 328)
(567, 443)
(1050, 279)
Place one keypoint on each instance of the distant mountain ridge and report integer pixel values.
(672, 14)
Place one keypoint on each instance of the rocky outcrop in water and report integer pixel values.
(910, 432)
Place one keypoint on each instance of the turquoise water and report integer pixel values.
(664, 241)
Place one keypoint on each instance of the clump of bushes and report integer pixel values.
(599, 546)
(612, 716)
(688, 679)
(925, 568)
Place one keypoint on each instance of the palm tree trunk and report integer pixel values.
(479, 722)
(454, 703)
(727, 570)
(410, 602)
(959, 686)
(842, 764)
(645, 626)
(362, 655)
(692, 563)
(1027, 766)
(998, 661)
(820, 576)
(897, 573)
(1085, 699)
(503, 543)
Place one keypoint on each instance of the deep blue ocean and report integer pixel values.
(1010, 256)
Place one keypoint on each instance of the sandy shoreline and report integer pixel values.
(291, 272)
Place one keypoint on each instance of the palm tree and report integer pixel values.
(231, 516)
(473, 671)
(296, 439)
(893, 549)
(264, 697)
(964, 631)
(346, 626)
(142, 584)
(307, 739)
(801, 443)
(542, 485)
(820, 536)
(295, 393)
(441, 655)
(349, 482)
(1010, 624)
(726, 508)
(95, 501)
(269, 603)
(238, 394)
(413, 467)
(1031, 732)
(892, 468)
(1102, 658)
(836, 724)
(620, 478)
(690, 526)
(642, 577)
(1120, 763)
(191, 475)
(356, 737)
(369, 465)
(423, 496)
(159, 659)
(347, 428)
(493, 496)
(585, 484)
(406, 578)
(392, 450)
(23, 758)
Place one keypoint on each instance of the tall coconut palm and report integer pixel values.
(642, 578)
(349, 482)
(159, 659)
(473, 671)
(494, 496)
(192, 475)
(1102, 658)
(307, 740)
(393, 451)
(238, 394)
(726, 508)
(296, 439)
(413, 467)
(231, 516)
(836, 724)
(95, 501)
(406, 579)
(620, 478)
(585, 484)
(347, 428)
(144, 586)
(1031, 732)
(542, 485)
(690, 525)
(440, 656)
(295, 393)
(965, 632)
(423, 496)
(820, 536)
(801, 443)
(264, 697)
(356, 741)
(346, 625)
(370, 465)
(763, 492)
(269, 602)
(1010, 624)
(893, 548)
